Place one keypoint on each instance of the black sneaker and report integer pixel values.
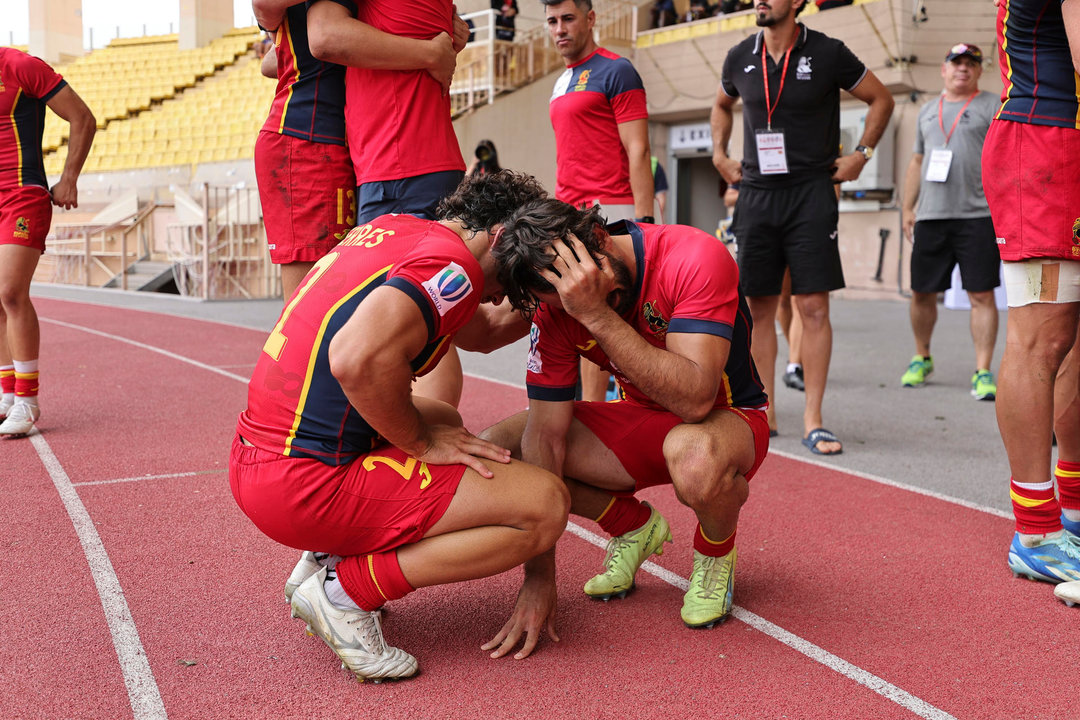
(794, 379)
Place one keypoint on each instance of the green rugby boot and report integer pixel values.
(625, 554)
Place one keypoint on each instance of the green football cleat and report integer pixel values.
(625, 554)
(712, 584)
(982, 385)
(918, 370)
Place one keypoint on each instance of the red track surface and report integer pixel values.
(907, 588)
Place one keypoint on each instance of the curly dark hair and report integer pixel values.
(524, 248)
(482, 201)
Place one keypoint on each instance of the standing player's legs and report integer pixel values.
(817, 354)
(1067, 429)
(419, 196)
(791, 326)
(763, 345)
(932, 261)
(25, 216)
(980, 270)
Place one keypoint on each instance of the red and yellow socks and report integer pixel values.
(1035, 507)
(25, 383)
(713, 548)
(623, 515)
(1067, 475)
(371, 580)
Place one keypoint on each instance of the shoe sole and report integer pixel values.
(988, 396)
(1021, 569)
(708, 623)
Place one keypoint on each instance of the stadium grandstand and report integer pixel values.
(168, 199)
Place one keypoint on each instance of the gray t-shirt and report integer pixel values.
(961, 195)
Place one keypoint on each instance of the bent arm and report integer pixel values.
(268, 67)
(880, 102)
(492, 327)
(69, 106)
(334, 35)
(271, 13)
(721, 119)
(370, 358)
(634, 135)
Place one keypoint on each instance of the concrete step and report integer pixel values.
(146, 276)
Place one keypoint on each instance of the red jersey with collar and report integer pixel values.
(589, 102)
(26, 84)
(1041, 86)
(687, 282)
(310, 99)
(295, 405)
(398, 121)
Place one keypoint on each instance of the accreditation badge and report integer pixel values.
(937, 170)
(771, 153)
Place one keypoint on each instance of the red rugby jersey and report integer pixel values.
(309, 102)
(687, 282)
(26, 84)
(295, 405)
(589, 102)
(398, 121)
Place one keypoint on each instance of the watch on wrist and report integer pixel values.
(646, 219)
(867, 152)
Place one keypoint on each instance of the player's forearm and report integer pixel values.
(641, 182)
(379, 386)
(80, 138)
(348, 41)
(271, 13)
(720, 122)
(268, 67)
(1070, 13)
(911, 183)
(877, 116)
(673, 381)
(544, 449)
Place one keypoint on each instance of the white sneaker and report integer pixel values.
(5, 405)
(20, 419)
(1068, 592)
(354, 635)
(305, 568)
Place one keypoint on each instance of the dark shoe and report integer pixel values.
(794, 380)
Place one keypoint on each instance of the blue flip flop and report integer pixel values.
(820, 435)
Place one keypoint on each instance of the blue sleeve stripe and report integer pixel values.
(551, 394)
(52, 93)
(707, 327)
(419, 298)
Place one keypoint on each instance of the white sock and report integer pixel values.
(336, 594)
(1071, 515)
(792, 367)
(8, 397)
(327, 560)
(26, 366)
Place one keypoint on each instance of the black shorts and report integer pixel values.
(941, 244)
(417, 196)
(785, 227)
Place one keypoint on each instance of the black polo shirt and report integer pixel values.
(809, 107)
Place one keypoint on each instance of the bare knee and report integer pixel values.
(700, 471)
(547, 511)
(13, 299)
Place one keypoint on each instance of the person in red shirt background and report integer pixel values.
(27, 86)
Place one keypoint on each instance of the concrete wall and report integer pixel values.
(56, 29)
(202, 21)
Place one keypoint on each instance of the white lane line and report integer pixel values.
(149, 477)
(871, 681)
(143, 693)
(151, 348)
(893, 483)
(882, 687)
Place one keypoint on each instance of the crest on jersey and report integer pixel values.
(533, 363)
(656, 321)
(22, 228)
(448, 287)
(583, 81)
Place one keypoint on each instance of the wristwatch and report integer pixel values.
(646, 219)
(867, 152)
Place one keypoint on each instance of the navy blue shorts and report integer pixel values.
(418, 195)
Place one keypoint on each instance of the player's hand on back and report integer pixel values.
(454, 445)
(65, 194)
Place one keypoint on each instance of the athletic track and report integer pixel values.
(136, 588)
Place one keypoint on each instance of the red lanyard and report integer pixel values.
(941, 123)
(765, 78)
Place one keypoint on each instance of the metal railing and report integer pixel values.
(223, 255)
(95, 255)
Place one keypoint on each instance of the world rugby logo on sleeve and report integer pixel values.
(448, 287)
